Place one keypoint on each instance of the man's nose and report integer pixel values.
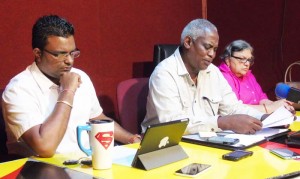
(211, 53)
(69, 59)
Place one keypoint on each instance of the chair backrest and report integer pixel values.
(131, 101)
(163, 51)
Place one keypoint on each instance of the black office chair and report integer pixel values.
(163, 51)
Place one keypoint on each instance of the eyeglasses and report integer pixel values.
(63, 55)
(244, 60)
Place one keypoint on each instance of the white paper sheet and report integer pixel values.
(207, 134)
(245, 139)
(279, 117)
(123, 155)
(248, 139)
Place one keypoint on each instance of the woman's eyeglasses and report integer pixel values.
(244, 60)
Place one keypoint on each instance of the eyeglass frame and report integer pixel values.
(244, 60)
(63, 55)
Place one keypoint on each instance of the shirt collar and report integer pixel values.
(42, 81)
(181, 67)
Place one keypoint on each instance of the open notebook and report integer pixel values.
(245, 140)
(280, 117)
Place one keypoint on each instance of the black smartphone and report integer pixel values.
(285, 153)
(223, 140)
(192, 170)
(293, 140)
(292, 143)
(237, 155)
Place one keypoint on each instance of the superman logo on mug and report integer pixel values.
(105, 138)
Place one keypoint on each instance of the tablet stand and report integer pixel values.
(160, 157)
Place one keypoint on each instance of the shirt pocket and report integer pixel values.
(211, 104)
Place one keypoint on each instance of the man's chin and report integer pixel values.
(66, 71)
(204, 67)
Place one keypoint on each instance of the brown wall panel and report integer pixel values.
(272, 27)
(115, 37)
(291, 37)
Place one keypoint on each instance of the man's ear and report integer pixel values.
(187, 42)
(37, 54)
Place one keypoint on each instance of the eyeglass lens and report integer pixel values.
(244, 60)
(62, 55)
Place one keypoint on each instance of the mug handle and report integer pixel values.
(88, 152)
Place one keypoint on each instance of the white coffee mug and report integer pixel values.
(101, 135)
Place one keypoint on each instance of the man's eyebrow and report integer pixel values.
(58, 51)
(207, 44)
(64, 52)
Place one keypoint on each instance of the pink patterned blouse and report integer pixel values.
(246, 88)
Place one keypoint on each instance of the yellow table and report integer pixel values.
(262, 164)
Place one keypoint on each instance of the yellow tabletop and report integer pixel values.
(295, 126)
(9, 167)
(262, 164)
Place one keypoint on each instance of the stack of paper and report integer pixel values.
(280, 117)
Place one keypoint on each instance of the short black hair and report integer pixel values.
(50, 25)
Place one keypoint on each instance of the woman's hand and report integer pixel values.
(282, 102)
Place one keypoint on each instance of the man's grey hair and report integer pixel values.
(196, 28)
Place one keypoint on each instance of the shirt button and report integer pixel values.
(212, 129)
(195, 101)
(193, 85)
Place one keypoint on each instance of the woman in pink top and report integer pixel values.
(237, 59)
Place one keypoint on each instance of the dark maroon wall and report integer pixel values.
(115, 37)
(272, 27)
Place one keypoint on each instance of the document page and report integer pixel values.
(279, 117)
(123, 155)
(245, 140)
(248, 139)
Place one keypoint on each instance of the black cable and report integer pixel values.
(209, 101)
